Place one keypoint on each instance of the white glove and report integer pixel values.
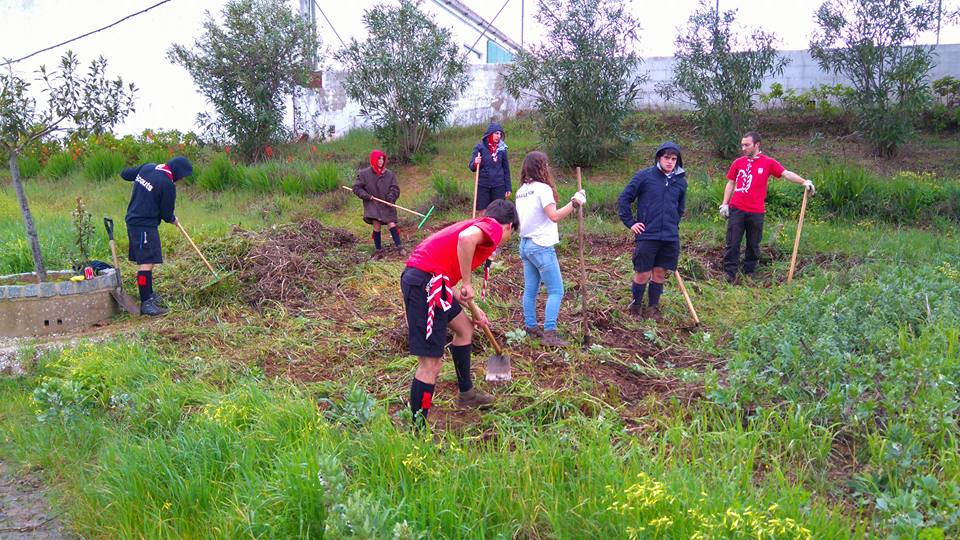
(579, 198)
(725, 210)
(809, 185)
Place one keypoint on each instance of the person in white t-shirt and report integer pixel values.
(536, 201)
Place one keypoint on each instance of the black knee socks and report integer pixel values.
(376, 240)
(656, 289)
(145, 284)
(421, 399)
(638, 292)
(395, 234)
(461, 361)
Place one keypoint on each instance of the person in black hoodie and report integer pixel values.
(490, 154)
(660, 193)
(154, 198)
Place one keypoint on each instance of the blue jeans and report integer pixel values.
(540, 265)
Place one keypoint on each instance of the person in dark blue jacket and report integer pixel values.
(490, 154)
(660, 193)
(153, 199)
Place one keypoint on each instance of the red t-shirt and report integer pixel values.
(750, 181)
(437, 254)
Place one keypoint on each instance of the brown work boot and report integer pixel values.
(635, 309)
(552, 339)
(377, 255)
(653, 312)
(533, 331)
(401, 252)
(474, 398)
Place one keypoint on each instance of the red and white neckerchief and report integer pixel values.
(439, 293)
(486, 276)
(165, 169)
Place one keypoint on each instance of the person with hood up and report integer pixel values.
(490, 155)
(380, 182)
(660, 193)
(153, 199)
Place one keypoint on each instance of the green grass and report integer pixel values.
(191, 429)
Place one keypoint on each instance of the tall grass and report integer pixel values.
(221, 174)
(59, 165)
(102, 164)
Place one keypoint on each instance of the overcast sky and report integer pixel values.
(136, 49)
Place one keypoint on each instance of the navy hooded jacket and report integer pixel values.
(493, 173)
(154, 193)
(661, 200)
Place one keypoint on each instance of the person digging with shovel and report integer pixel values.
(537, 207)
(660, 193)
(380, 182)
(743, 203)
(433, 304)
(153, 199)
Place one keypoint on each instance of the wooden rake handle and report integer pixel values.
(486, 329)
(200, 253)
(397, 206)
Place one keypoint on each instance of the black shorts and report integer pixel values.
(144, 245)
(651, 253)
(486, 195)
(413, 284)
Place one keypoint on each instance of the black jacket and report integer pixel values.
(661, 200)
(154, 195)
(493, 173)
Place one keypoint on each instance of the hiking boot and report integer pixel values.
(474, 398)
(151, 307)
(377, 255)
(653, 312)
(552, 339)
(401, 252)
(635, 309)
(534, 331)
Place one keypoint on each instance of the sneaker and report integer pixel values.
(552, 339)
(653, 312)
(635, 309)
(377, 254)
(151, 307)
(533, 331)
(474, 398)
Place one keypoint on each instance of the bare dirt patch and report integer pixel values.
(24, 512)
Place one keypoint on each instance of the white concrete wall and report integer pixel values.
(487, 99)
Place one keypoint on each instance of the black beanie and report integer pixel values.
(180, 167)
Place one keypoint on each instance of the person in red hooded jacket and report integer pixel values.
(380, 182)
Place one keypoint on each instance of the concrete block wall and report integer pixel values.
(486, 98)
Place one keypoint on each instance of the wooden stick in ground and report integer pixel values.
(686, 296)
(200, 253)
(796, 241)
(476, 187)
(583, 270)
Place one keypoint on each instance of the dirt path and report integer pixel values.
(24, 512)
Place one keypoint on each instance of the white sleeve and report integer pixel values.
(545, 195)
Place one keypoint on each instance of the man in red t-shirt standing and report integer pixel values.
(443, 259)
(743, 202)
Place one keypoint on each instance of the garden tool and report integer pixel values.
(217, 277)
(796, 241)
(398, 207)
(686, 296)
(476, 187)
(498, 365)
(583, 270)
(126, 302)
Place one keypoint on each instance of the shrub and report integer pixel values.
(29, 166)
(257, 179)
(584, 79)
(59, 165)
(292, 185)
(102, 164)
(221, 174)
(325, 178)
(450, 193)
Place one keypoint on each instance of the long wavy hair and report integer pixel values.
(537, 169)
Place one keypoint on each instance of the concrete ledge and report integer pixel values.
(40, 309)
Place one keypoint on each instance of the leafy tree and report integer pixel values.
(405, 76)
(247, 68)
(83, 104)
(585, 78)
(873, 43)
(720, 73)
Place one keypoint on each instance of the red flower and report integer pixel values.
(269, 151)
(227, 150)
(313, 149)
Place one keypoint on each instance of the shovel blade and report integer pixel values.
(498, 368)
(126, 302)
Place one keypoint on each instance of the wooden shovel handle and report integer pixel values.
(486, 329)
(796, 241)
(476, 186)
(686, 296)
